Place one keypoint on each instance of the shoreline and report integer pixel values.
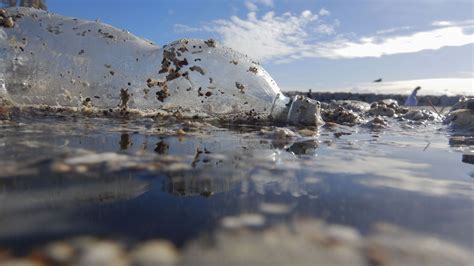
(423, 100)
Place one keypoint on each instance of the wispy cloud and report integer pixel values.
(415, 42)
(324, 12)
(186, 28)
(439, 86)
(433, 86)
(252, 5)
(288, 37)
(393, 30)
(444, 23)
(327, 28)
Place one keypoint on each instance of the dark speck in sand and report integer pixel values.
(197, 69)
(124, 98)
(162, 94)
(240, 87)
(210, 43)
(253, 70)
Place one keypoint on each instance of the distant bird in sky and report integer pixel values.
(411, 100)
(378, 80)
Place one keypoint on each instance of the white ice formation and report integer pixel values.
(54, 60)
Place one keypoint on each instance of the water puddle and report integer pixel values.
(137, 180)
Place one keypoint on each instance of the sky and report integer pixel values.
(322, 45)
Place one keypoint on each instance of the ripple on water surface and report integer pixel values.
(188, 182)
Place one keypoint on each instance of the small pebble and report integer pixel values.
(307, 132)
(247, 219)
(59, 252)
(156, 252)
(284, 133)
(275, 208)
(102, 253)
(8, 22)
(60, 168)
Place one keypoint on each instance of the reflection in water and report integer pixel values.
(395, 173)
(465, 144)
(307, 147)
(468, 158)
(125, 141)
(461, 141)
(161, 147)
(191, 184)
(354, 179)
(30, 202)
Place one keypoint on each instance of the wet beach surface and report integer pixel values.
(191, 183)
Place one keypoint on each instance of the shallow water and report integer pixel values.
(139, 179)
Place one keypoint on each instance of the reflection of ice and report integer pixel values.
(28, 203)
(280, 182)
(192, 183)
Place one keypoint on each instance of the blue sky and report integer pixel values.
(319, 45)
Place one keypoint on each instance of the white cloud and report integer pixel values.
(252, 5)
(268, 3)
(386, 172)
(290, 37)
(416, 42)
(442, 23)
(327, 29)
(307, 14)
(393, 30)
(267, 37)
(324, 12)
(434, 86)
(186, 28)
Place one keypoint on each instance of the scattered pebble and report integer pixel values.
(307, 132)
(303, 242)
(281, 133)
(101, 253)
(59, 252)
(275, 208)
(243, 220)
(21, 262)
(7, 22)
(155, 252)
(96, 158)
